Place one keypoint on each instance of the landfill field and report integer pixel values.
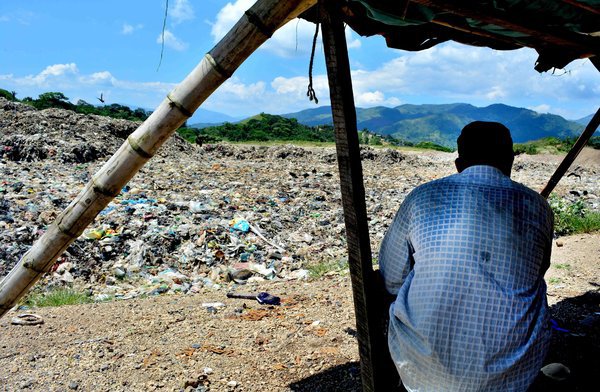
(198, 222)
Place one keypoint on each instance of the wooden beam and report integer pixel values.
(377, 370)
(582, 44)
(582, 6)
(575, 150)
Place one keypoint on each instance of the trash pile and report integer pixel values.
(197, 218)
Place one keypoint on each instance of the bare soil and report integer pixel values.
(173, 342)
(308, 343)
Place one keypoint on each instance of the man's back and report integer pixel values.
(466, 256)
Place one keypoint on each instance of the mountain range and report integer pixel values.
(439, 124)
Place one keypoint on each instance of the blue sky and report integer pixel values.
(88, 47)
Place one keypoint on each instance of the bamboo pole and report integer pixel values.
(252, 30)
(378, 372)
(573, 153)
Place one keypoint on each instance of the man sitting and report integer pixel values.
(465, 257)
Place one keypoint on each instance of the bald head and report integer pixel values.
(485, 143)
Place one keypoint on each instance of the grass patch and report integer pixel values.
(573, 218)
(321, 269)
(562, 266)
(57, 297)
(554, 280)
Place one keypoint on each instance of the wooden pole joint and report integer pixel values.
(217, 67)
(135, 147)
(104, 191)
(175, 104)
(258, 23)
(31, 266)
(66, 231)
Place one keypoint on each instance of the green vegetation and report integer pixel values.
(271, 128)
(562, 266)
(60, 101)
(552, 145)
(554, 280)
(57, 297)
(433, 146)
(369, 138)
(263, 127)
(323, 268)
(10, 95)
(573, 218)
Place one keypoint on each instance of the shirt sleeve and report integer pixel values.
(395, 254)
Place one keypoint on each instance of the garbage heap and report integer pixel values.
(197, 218)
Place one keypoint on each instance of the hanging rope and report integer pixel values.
(162, 36)
(311, 94)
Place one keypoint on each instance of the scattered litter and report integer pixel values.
(213, 304)
(192, 214)
(27, 319)
(240, 225)
(263, 298)
(556, 371)
(554, 325)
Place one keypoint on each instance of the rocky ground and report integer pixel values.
(197, 222)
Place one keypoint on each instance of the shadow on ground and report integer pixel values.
(344, 377)
(575, 344)
(576, 341)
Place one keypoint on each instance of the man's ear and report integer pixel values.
(460, 164)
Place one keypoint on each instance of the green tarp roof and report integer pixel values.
(560, 30)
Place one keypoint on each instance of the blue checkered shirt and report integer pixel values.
(465, 256)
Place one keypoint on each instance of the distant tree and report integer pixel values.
(52, 99)
(10, 95)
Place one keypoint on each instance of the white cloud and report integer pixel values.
(543, 108)
(296, 87)
(228, 16)
(4, 18)
(182, 11)
(458, 73)
(451, 73)
(171, 41)
(374, 98)
(495, 93)
(241, 91)
(129, 29)
(51, 72)
(68, 79)
(370, 98)
(353, 43)
(293, 39)
(97, 78)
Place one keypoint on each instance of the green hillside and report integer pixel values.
(262, 127)
(441, 124)
(58, 100)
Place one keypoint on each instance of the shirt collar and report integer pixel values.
(484, 172)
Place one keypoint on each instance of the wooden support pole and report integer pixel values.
(377, 370)
(573, 153)
(251, 31)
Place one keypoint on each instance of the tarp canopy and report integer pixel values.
(559, 30)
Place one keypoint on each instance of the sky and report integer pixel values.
(113, 47)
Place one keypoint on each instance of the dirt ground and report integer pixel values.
(202, 340)
(308, 343)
